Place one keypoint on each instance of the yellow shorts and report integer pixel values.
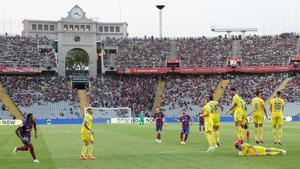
(86, 136)
(276, 119)
(216, 120)
(258, 119)
(240, 116)
(208, 126)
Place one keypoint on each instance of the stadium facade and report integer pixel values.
(73, 32)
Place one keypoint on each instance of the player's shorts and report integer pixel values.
(185, 130)
(201, 123)
(240, 116)
(86, 136)
(159, 127)
(258, 119)
(26, 139)
(276, 119)
(216, 119)
(208, 126)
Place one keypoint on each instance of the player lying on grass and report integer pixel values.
(24, 134)
(246, 149)
(185, 129)
(87, 136)
(159, 118)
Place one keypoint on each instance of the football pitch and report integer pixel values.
(133, 147)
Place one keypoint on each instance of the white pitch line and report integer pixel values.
(181, 151)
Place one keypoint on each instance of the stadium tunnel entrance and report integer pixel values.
(77, 62)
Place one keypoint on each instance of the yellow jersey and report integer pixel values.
(89, 119)
(206, 113)
(213, 106)
(257, 104)
(277, 105)
(247, 149)
(238, 101)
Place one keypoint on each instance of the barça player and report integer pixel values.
(24, 134)
(214, 105)
(159, 118)
(185, 129)
(258, 116)
(276, 108)
(201, 122)
(245, 149)
(87, 136)
(208, 122)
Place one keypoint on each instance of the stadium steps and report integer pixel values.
(159, 92)
(70, 86)
(10, 104)
(83, 100)
(235, 48)
(298, 47)
(220, 89)
(173, 50)
(280, 87)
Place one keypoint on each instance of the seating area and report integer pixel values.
(136, 92)
(4, 114)
(291, 91)
(21, 51)
(268, 50)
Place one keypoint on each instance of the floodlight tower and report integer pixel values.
(160, 8)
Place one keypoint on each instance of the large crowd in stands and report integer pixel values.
(23, 51)
(203, 52)
(184, 90)
(268, 50)
(25, 91)
(247, 85)
(291, 92)
(137, 52)
(123, 91)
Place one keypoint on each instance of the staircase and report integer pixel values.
(235, 51)
(10, 104)
(220, 89)
(83, 100)
(159, 92)
(173, 50)
(298, 47)
(281, 86)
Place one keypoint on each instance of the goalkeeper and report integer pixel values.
(142, 118)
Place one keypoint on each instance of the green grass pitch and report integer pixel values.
(133, 147)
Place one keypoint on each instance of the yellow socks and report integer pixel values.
(217, 136)
(255, 133)
(279, 134)
(275, 134)
(90, 149)
(260, 133)
(238, 132)
(83, 150)
(208, 136)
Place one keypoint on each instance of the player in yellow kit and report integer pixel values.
(208, 122)
(238, 113)
(276, 108)
(258, 116)
(246, 149)
(244, 124)
(215, 117)
(87, 136)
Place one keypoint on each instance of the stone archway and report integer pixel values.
(77, 59)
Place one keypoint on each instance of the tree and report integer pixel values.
(77, 59)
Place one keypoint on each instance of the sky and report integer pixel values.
(181, 18)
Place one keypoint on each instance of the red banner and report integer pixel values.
(207, 70)
(18, 69)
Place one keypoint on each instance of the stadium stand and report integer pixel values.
(21, 51)
(4, 114)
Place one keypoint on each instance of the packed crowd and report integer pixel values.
(25, 91)
(268, 50)
(123, 91)
(291, 91)
(203, 52)
(182, 91)
(247, 85)
(147, 52)
(21, 51)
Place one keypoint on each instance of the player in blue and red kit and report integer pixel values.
(185, 129)
(24, 133)
(201, 122)
(159, 117)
